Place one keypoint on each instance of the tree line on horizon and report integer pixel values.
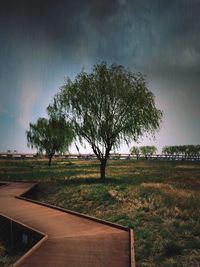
(184, 150)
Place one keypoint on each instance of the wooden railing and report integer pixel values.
(112, 156)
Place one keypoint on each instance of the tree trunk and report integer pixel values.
(103, 169)
(50, 158)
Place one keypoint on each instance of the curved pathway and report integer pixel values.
(72, 241)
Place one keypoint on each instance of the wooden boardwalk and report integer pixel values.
(71, 241)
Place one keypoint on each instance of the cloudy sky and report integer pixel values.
(41, 42)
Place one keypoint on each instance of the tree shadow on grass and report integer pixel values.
(134, 180)
(42, 175)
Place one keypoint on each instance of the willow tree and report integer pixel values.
(148, 150)
(108, 106)
(135, 150)
(51, 136)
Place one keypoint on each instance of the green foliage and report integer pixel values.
(144, 150)
(135, 150)
(186, 150)
(109, 106)
(148, 150)
(51, 136)
(167, 150)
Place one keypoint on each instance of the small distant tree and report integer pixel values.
(148, 150)
(109, 106)
(51, 136)
(171, 150)
(167, 150)
(196, 151)
(189, 150)
(135, 150)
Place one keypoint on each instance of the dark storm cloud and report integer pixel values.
(155, 37)
(43, 40)
(140, 30)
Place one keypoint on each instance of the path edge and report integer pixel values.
(25, 256)
(115, 225)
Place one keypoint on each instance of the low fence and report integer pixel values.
(113, 156)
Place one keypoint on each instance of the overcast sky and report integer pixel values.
(41, 42)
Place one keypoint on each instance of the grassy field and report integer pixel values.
(160, 200)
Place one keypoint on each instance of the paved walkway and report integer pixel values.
(72, 241)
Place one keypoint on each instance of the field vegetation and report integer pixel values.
(8, 256)
(159, 199)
